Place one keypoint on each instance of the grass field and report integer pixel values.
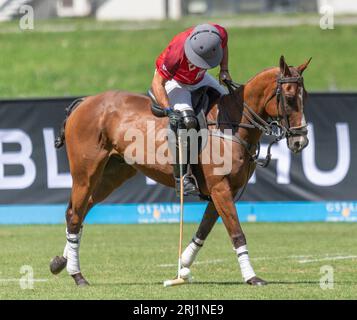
(126, 262)
(81, 57)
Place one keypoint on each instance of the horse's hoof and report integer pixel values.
(255, 281)
(57, 264)
(79, 280)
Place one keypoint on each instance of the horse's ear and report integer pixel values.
(302, 67)
(284, 68)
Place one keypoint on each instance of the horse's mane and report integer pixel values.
(223, 116)
(259, 73)
(265, 70)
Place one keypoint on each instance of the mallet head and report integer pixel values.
(176, 282)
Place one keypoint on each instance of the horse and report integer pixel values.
(94, 134)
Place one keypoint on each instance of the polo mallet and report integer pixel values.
(179, 280)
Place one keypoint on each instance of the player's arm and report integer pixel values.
(224, 63)
(224, 72)
(158, 89)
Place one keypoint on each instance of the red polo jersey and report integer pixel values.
(172, 63)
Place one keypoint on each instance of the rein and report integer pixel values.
(255, 122)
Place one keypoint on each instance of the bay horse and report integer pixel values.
(94, 132)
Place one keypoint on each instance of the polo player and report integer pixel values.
(182, 68)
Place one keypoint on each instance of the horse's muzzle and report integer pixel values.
(297, 143)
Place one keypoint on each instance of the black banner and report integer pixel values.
(33, 171)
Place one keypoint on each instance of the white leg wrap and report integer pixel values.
(244, 263)
(72, 251)
(190, 253)
(65, 251)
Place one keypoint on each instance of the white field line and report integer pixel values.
(17, 280)
(327, 259)
(281, 257)
(169, 265)
(297, 258)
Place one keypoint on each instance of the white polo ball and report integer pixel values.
(185, 273)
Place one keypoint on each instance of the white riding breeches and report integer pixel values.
(180, 94)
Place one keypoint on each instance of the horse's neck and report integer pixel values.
(255, 94)
(230, 107)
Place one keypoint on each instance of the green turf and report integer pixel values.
(123, 262)
(83, 61)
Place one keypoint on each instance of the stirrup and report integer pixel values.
(194, 191)
(191, 176)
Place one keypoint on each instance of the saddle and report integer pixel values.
(202, 101)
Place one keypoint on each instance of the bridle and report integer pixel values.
(275, 127)
(282, 106)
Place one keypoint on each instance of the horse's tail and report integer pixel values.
(59, 141)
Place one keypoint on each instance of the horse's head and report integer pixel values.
(288, 107)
